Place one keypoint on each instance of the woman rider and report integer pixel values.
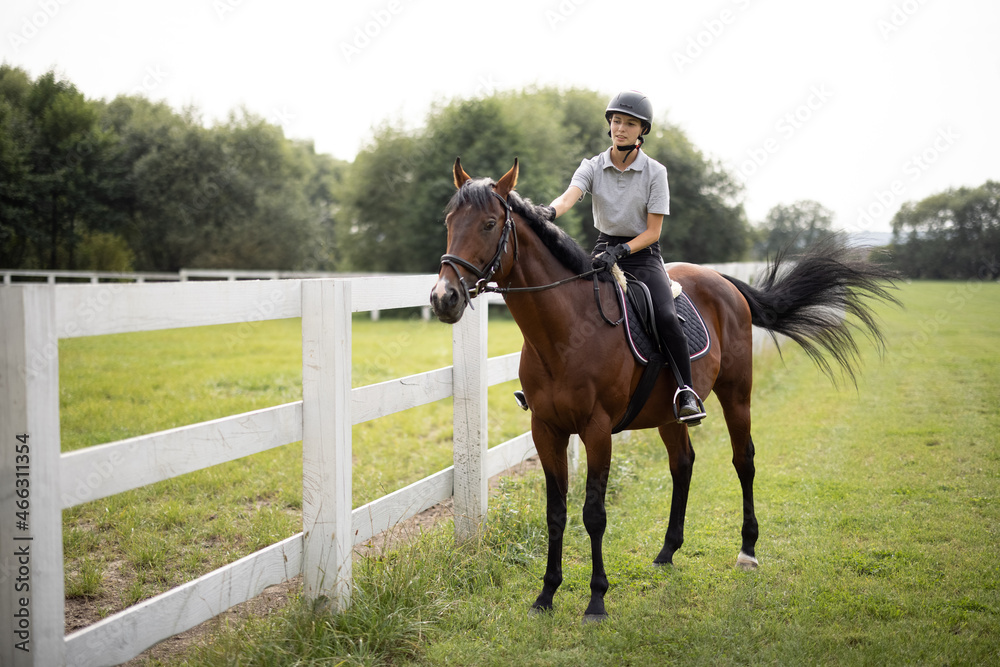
(630, 197)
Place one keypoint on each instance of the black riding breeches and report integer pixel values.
(647, 265)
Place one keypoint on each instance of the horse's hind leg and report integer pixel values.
(595, 518)
(736, 409)
(675, 437)
(551, 448)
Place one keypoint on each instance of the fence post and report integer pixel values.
(31, 555)
(328, 541)
(469, 338)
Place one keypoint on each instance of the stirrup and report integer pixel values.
(522, 402)
(694, 418)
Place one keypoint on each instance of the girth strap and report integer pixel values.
(642, 392)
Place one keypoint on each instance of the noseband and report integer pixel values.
(485, 275)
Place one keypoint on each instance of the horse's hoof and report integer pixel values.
(535, 611)
(664, 564)
(746, 562)
(589, 619)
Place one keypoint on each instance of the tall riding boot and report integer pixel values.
(689, 408)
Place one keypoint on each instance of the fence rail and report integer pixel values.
(36, 317)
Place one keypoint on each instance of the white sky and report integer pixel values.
(858, 104)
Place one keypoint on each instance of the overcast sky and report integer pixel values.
(858, 104)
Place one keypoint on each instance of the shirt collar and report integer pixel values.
(638, 165)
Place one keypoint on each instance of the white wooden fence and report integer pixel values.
(21, 276)
(40, 481)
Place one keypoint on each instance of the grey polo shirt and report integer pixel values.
(623, 198)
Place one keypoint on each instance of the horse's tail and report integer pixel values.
(807, 297)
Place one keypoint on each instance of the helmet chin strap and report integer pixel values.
(628, 149)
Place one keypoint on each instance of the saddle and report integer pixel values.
(643, 339)
(640, 323)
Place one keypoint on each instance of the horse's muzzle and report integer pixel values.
(447, 301)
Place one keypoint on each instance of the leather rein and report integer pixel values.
(486, 275)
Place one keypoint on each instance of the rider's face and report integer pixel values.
(625, 129)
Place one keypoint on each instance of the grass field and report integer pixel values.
(131, 546)
(878, 510)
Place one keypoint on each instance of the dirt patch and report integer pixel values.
(82, 612)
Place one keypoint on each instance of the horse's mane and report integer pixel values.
(478, 193)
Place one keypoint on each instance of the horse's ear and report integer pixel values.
(460, 175)
(508, 182)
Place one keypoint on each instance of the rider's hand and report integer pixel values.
(608, 258)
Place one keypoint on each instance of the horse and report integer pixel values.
(577, 372)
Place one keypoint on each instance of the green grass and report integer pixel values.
(879, 520)
(153, 538)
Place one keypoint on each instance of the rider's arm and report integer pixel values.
(565, 201)
(654, 224)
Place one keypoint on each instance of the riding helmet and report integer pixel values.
(633, 103)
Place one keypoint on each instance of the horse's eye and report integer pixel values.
(491, 223)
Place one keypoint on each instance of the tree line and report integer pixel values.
(131, 184)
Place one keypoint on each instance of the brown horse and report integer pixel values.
(577, 372)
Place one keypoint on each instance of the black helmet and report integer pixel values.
(632, 103)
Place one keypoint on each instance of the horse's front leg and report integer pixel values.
(551, 447)
(595, 519)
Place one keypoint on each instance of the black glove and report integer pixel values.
(548, 212)
(610, 257)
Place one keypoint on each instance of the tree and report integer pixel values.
(237, 195)
(17, 233)
(398, 186)
(706, 221)
(54, 162)
(793, 227)
(952, 234)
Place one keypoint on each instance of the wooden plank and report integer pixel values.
(104, 470)
(110, 308)
(31, 548)
(509, 454)
(122, 636)
(385, 292)
(469, 338)
(385, 398)
(326, 441)
(503, 368)
(383, 514)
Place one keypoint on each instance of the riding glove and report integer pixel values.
(610, 257)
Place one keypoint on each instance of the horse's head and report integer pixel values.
(480, 230)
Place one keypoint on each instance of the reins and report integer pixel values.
(485, 275)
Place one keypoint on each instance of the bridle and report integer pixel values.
(486, 275)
